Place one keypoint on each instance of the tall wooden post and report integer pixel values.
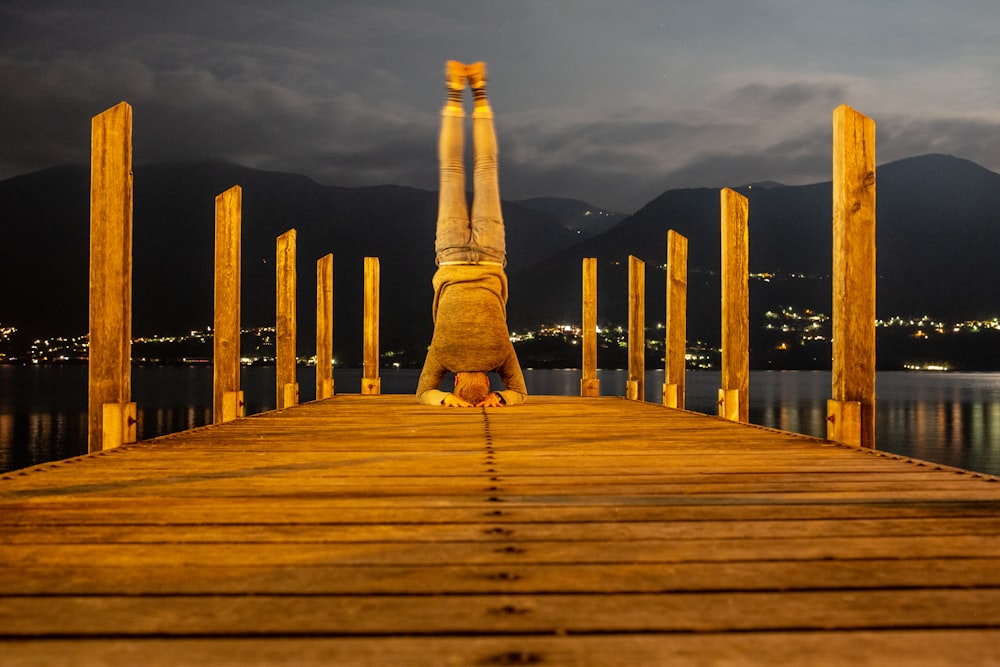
(324, 327)
(228, 399)
(851, 411)
(287, 387)
(112, 415)
(590, 385)
(635, 386)
(734, 394)
(371, 383)
(675, 364)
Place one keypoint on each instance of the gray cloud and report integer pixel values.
(613, 107)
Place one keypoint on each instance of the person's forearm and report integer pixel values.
(432, 397)
(512, 397)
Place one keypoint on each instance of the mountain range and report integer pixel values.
(937, 218)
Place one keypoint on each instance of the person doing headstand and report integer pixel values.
(470, 285)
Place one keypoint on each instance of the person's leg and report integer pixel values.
(488, 236)
(453, 234)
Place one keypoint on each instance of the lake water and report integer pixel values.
(949, 418)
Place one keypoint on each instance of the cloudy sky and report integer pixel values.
(610, 102)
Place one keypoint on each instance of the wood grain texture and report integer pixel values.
(675, 364)
(735, 307)
(110, 347)
(226, 328)
(286, 278)
(853, 321)
(374, 530)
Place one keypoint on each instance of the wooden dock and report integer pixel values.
(372, 530)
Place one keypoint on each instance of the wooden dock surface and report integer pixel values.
(567, 531)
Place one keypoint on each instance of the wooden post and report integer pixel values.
(853, 280)
(226, 330)
(735, 308)
(635, 386)
(110, 355)
(371, 383)
(675, 364)
(287, 387)
(324, 327)
(590, 385)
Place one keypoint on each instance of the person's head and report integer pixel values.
(472, 386)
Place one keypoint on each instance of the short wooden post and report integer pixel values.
(675, 364)
(735, 308)
(371, 383)
(110, 355)
(287, 387)
(226, 330)
(853, 280)
(635, 386)
(590, 385)
(324, 327)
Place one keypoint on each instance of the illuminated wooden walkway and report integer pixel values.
(372, 530)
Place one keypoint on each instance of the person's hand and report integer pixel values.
(494, 400)
(453, 401)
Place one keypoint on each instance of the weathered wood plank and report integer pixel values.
(837, 648)
(485, 578)
(178, 615)
(371, 518)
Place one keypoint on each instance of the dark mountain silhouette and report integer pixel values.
(937, 218)
(44, 259)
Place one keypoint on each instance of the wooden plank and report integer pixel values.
(500, 578)
(735, 308)
(226, 327)
(590, 385)
(73, 616)
(285, 328)
(837, 648)
(475, 531)
(110, 349)
(675, 364)
(853, 318)
(379, 522)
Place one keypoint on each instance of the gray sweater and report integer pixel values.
(470, 331)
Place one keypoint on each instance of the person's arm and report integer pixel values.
(428, 391)
(514, 392)
(430, 379)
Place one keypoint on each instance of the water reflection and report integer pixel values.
(950, 418)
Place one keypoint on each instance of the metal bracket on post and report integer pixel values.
(729, 404)
(119, 424)
(843, 422)
(233, 406)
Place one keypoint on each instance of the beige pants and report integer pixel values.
(461, 239)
